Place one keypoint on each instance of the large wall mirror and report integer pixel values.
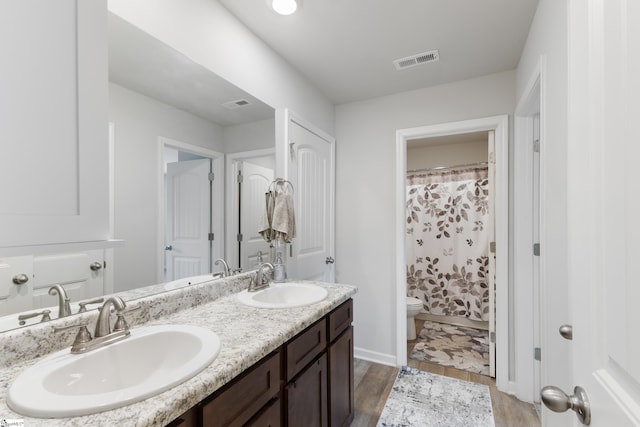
(180, 136)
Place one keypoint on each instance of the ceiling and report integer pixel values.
(145, 65)
(346, 48)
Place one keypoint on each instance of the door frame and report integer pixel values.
(231, 198)
(217, 197)
(500, 125)
(528, 323)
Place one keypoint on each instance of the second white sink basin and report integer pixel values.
(284, 295)
(153, 359)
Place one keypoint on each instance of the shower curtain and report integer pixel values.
(448, 241)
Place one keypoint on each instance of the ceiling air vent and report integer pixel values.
(417, 59)
(232, 105)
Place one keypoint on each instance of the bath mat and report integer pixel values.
(428, 400)
(455, 346)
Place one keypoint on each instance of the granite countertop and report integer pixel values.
(247, 334)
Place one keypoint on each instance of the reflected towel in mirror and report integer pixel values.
(278, 220)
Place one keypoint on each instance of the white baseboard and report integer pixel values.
(374, 356)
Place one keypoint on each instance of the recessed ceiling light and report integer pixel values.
(284, 7)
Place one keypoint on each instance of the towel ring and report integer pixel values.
(282, 183)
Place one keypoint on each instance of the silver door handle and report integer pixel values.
(329, 260)
(168, 248)
(557, 400)
(566, 331)
(95, 266)
(20, 279)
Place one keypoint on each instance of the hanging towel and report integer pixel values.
(266, 220)
(283, 220)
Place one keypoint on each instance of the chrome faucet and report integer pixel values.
(103, 327)
(64, 308)
(261, 281)
(226, 269)
(103, 334)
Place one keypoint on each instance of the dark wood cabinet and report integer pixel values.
(341, 397)
(188, 419)
(270, 416)
(237, 402)
(305, 347)
(307, 382)
(307, 396)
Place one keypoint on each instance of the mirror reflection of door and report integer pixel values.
(257, 175)
(188, 218)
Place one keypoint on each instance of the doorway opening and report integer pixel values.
(450, 265)
(249, 175)
(499, 126)
(192, 210)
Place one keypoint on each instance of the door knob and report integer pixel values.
(20, 279)
(168, 248)
(95, 266)
(329, 260)
(566, 331)
(557, 400)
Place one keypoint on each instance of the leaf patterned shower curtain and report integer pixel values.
(448, 241)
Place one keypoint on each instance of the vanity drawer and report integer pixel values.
(340, 319)
(305, 347)
(241, 400)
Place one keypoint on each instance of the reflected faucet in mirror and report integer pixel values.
(64, 306)
(226, 270)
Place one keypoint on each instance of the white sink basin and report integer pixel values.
(153, 359)
(284, 295)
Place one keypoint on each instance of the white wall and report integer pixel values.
(365, 190)
(548, 37)
(449, 154)
(249, 136)
(139, 121)
(207, 33)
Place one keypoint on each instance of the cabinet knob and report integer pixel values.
(20, 279)
(95, 266)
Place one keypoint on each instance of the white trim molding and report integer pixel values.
(500, 125)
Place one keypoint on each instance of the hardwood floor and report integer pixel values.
(373, 384)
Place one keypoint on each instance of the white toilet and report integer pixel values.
(414, 306)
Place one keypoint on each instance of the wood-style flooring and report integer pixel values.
(373, 384)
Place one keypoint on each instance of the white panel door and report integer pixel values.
(604, 229)
(311, 172)
(255, 183)
(188, 219)
(73, 271)
(53, 122)
(16, 297)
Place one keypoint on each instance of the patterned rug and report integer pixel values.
(455, 346)
(422, 399)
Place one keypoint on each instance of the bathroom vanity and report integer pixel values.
(290, 366)
(308, 381)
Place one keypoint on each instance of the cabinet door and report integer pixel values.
(268, 417)
(307, 396)
(237, 403)
(341, 380)
(53, 122)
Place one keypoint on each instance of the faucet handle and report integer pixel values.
(83, 304)
(43, 313)
(82, 337)
(121, 323)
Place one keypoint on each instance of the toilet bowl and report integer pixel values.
(414, 306)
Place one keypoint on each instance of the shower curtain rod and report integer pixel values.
(439, 168)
